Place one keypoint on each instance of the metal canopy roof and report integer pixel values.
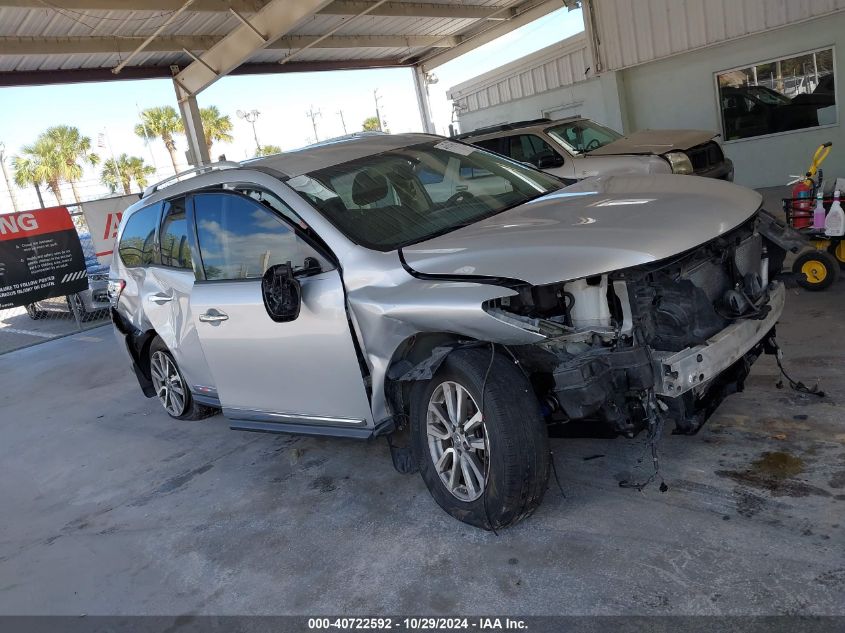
(64, 41)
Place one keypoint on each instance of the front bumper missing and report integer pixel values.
(678, 372)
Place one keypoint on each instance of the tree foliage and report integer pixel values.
(216, 127)
(162, 122)
(56, 156)
(123, 170)
(267, 150)
(371, 124)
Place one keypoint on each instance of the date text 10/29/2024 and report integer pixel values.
(417, 624)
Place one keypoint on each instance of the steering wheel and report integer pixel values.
(594, 144)
(459, 198)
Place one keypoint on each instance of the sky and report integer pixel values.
(111, 108)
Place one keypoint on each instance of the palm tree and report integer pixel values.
(267, 150)
(41, 163)
(371, 124)
(161, 122)
(121, 171)
(27, 174)
(71, 149)
(215, 126)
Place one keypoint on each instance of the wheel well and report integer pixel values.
(142, 345)
(409, 353)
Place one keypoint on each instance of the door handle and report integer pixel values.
(213, 316)
(160, 299)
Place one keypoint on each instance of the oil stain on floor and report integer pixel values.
(775, 472)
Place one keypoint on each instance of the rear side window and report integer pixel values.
(240, 238)
(491, 144)
(137, 242)
(175, 249)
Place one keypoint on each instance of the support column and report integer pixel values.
(197, 149)
(423, 104)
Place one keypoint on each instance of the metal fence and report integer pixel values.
(59, 316)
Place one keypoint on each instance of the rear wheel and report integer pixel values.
(34, 312)
(487, 470)
(815, 269)
(76, 307)
(171, 389)
(837, 249)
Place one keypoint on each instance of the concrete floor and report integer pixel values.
(17, 330)
(109, 507)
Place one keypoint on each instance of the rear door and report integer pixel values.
(167, 297)
(304, 372)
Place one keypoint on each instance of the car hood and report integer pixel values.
(654, 142)
(595, 226)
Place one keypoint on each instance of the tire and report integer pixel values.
(182, 407)
(837, 249)
(34, 313)
(76, 307)
(815, 269)
(515, 453)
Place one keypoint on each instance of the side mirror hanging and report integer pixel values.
(281, 292)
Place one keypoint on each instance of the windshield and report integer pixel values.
(768, 96)
(409, 194)
(580, 136)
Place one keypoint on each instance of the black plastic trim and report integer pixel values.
(506, 282)
(300, 429)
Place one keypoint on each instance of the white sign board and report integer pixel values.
(103, 218)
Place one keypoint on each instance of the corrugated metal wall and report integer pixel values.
(556, 66)
(633, 32)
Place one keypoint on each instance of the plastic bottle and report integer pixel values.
(834, 225)
(818, 212)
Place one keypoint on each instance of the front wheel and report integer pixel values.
(816, 269)
(489, 470)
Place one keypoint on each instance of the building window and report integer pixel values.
(791, 93)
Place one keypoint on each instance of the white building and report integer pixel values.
(721, 65)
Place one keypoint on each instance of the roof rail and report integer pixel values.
(196, 171)
(500, 128)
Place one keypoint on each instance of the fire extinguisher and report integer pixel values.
(805, 189)
(802, 206)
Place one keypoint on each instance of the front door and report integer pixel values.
(302, 373)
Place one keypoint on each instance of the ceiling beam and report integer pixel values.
(410, 9)
(194, 43)
(338, 7)
(277, 18)
(85, 75)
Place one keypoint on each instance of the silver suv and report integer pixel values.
(577, 148)
(452, 299)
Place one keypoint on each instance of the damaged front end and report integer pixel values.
(682, 332)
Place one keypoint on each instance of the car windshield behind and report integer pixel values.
(409, 194)
(580, 135)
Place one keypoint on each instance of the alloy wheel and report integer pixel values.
(457, 441)
(168, 383)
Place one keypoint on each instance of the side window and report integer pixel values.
(468, 172)
(528, 148)
(137, 242)
(428, 176)
(240, 238)
(274, 202)
(175, 249)
(491, 144)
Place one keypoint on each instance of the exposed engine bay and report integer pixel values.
(680, 334)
